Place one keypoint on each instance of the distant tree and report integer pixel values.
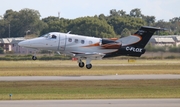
(20, 22)
(50, 18)
(150, 20)
(136, 13)
(102, 17)
(175, 25)
(113, 12)
(120, 23)
(2, 28)
(7, 21)
(161, 23)
(56, 25)
(164, 24)
(1, 50)
(125, 32)
(122, 13)
(30, 20)
(92, 26)
(10, 14)
(27, 21)
(175, 19)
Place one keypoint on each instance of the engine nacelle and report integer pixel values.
(109, 44)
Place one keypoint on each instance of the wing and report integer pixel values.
(92, 56)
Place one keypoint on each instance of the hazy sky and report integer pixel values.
(161, 9)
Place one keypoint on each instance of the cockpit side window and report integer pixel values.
(53, 36)
(46, 35)
(49, 36)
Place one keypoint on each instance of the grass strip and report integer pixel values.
(102, 67)
(116, 89)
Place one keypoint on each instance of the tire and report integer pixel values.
(81, 64)
(89, 66)
(34, 58)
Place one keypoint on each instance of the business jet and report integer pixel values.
(92, 48)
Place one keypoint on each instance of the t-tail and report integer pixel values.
(133, 45)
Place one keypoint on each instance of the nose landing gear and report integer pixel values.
(34, 58)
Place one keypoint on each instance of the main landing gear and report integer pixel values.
(88, 64)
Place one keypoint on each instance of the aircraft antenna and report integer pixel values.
(59, 15)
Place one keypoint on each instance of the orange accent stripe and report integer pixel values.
(92, 45)
(113, 39)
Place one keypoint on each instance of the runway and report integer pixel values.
(93, 103)
(105, 77)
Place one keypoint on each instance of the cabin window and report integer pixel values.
(70, 40)
(82, 41)
(90, 42)
(76, 40)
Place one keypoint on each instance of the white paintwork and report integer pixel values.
(80, 46)
(62, 44)
(91, 48)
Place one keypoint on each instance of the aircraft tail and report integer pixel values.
(140, 38)
(133, 45)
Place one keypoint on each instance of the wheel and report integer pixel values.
(89, 66)
(34, 57)
(81, 64)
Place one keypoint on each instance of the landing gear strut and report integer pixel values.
(34, 56)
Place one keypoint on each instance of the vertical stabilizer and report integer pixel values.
(140, 38)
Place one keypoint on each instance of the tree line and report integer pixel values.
(118, 23)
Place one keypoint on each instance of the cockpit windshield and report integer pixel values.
(46, 35)
(50, 36)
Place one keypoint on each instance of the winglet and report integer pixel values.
(69, 32)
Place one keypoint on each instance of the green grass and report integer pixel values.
(100, 67)
(115, 89)
(89, 89)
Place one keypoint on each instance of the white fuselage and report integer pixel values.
(90, 48)
(67, 44)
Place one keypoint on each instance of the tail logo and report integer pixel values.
(133, 49)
